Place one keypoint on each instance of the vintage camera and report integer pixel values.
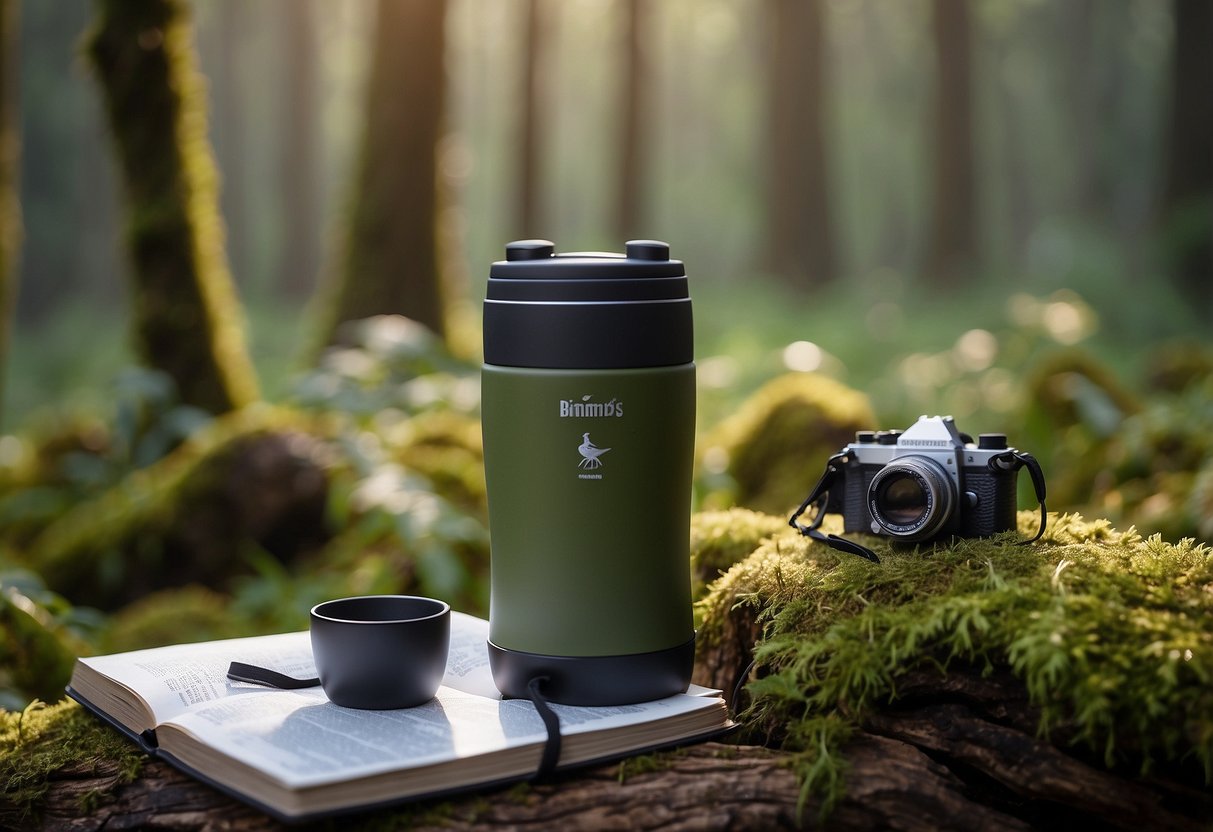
(924, 483)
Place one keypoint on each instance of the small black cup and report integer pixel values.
(381, 651)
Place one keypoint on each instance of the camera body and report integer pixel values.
(926, 482)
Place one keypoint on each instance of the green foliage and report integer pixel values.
(1129, 458)
(408, 500)
(393, 522)
(1108, 632)
(387, 367)
(174, 616)
(40, 636)
(41, 739)
(72, 458)
(773, 448)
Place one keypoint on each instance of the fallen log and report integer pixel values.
(890, 784)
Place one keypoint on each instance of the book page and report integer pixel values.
(172, 679)
(467, 664)
(301, 739)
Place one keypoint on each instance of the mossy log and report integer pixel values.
(907, 780)
(257, 479)
(978, 685)
(1061, 684)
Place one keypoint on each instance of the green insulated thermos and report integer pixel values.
(588, 403)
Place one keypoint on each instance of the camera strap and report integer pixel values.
(1013, 460)
(819, 495)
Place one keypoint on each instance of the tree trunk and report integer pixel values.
(390, 263)
(231, 145)
(186, 316)
(530, 218)
(1187, 211)
(300, 221)
(10, 206)
(952, 243)
(633, 99)
(800, 247)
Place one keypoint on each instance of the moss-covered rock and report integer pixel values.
(1109, 635)
(255, 480)
(721, 538)
(775, 447)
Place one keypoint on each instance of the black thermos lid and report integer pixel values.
(587, 310)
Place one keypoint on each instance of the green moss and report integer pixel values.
(648, 763)
(40, 740)
(775, 447)
(1108, 632)
(721, 538)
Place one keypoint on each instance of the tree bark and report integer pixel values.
(231, 146)
(186, 316)
(936, 767)
(800, 247)
(390, 263)
(952, 242)
(298, 173)
(1187, 211)
(633, 101)
(10, 206)
(531, 93)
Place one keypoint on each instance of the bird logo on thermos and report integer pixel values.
(590, 453)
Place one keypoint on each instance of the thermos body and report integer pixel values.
(588, 471)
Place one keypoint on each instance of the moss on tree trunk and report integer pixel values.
(187, 319)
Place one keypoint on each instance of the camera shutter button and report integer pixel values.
(992, 441)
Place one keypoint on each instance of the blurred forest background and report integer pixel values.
(998, 209)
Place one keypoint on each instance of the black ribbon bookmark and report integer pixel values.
(241, 672)
(551, 750)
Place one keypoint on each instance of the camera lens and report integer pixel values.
(911, 498)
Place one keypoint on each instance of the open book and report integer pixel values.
(294, 754)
